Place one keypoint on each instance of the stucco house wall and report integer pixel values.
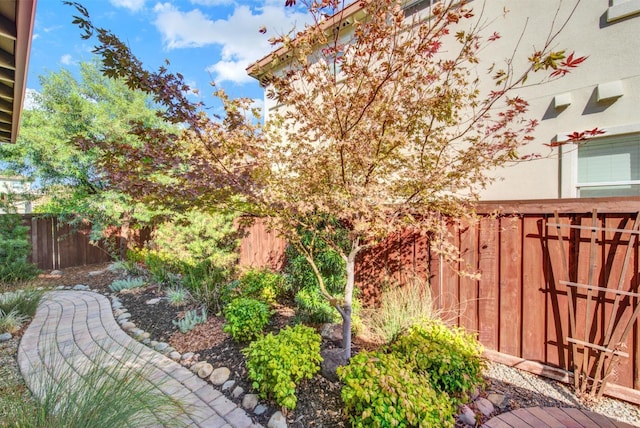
(603, 93)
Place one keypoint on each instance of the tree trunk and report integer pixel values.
(125, 231)
(348, 299)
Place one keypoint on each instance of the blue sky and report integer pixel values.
(204, 40)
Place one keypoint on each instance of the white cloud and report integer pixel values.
(238, 36)
(31, 99)
(66, 59)
(211, 2)
(132, 5)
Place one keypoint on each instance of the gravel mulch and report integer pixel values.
(319, 401)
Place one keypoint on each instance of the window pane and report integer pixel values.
(596, 192)
(609, 160)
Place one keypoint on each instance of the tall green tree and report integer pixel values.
(65, 177)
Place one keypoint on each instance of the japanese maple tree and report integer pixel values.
(381, 121)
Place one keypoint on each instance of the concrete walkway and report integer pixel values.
(78, 328)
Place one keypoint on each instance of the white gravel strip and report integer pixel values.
(554, 390)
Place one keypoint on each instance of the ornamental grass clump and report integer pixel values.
(246, 318)
(24, 302)
(109, 393)
(277, 363)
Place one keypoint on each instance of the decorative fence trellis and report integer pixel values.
(520, 305)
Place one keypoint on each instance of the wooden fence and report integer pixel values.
(57, 245)
(519, 306)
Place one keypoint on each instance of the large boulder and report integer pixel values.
(332, 359)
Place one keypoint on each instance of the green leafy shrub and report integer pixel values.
(260, 284)
(245, 318)
(381, 390)
(15, 249)
(190, 320)
(24, 302)
(312, 307)
(126, 284)
(299, 273)
(278, 363)
(450, 356)
(195, 236)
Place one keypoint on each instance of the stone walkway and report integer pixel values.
(78, 328)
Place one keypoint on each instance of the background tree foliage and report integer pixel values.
(65, 177)
(377, 130)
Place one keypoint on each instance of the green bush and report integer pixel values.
(300, 275)
(451, 357)
(246, 318)
(381, 390)
(195, 236)
(260, 284)
(15, 250)
(312, 307)
(278, 363)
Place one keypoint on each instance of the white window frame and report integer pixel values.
(569, 185)
(622, 8)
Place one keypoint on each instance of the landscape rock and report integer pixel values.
(81, 287)
(144, 336)
(331, 331)
(237, 392)
(146, 341)
(60, 287)
(467, 416)
(56, 273)
(260, 409)
(187, 356)
(153, 343)
(220, 376)
(485, 406)
(228, 385)
(205, 371)
(197, 366)
(118, 312)
(5, 336)
(127, 325)
(175, 355)
(332, 359)
(250, 401)
(153, 301)
(498, 400)
(136, 331)
(277, 420)
(161, 346)
(96, 273)
(124, 316)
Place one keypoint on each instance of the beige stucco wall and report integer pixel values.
(613, 50)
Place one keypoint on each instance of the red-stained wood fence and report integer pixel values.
(518, 306)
